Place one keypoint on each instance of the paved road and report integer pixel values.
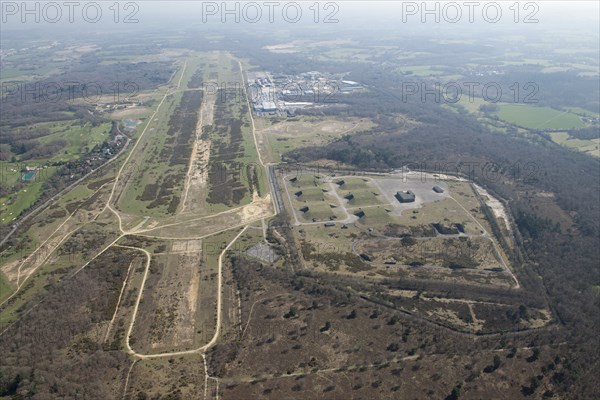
(275, 192)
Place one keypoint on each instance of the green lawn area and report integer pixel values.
(375, 216)
(308, 194)
(363, 198)
(353, 184)
(321, 212)
(533, 117)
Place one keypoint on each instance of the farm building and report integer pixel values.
(405, 197)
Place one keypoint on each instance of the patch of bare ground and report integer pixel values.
(194, 191)
(167, 318)
(191, 227)
(197, 179)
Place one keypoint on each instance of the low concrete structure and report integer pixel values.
(405, 197)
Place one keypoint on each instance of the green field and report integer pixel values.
(14, 204)
(310, 194)
(591, 146)
(80, 140)
(359, 192)
(375, 217)
(532, 117)
(5, 288)
(321, 212)
(582, 111)
(471, 105)
(351, 184)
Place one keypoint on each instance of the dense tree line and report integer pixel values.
(592, 132)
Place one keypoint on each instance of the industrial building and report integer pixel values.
(405, 197)
(268, 106)
(284, 94)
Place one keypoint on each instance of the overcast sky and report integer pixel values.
(572, 15)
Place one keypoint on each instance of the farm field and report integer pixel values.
(527, 120)
(590, 146)
(532, 117)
